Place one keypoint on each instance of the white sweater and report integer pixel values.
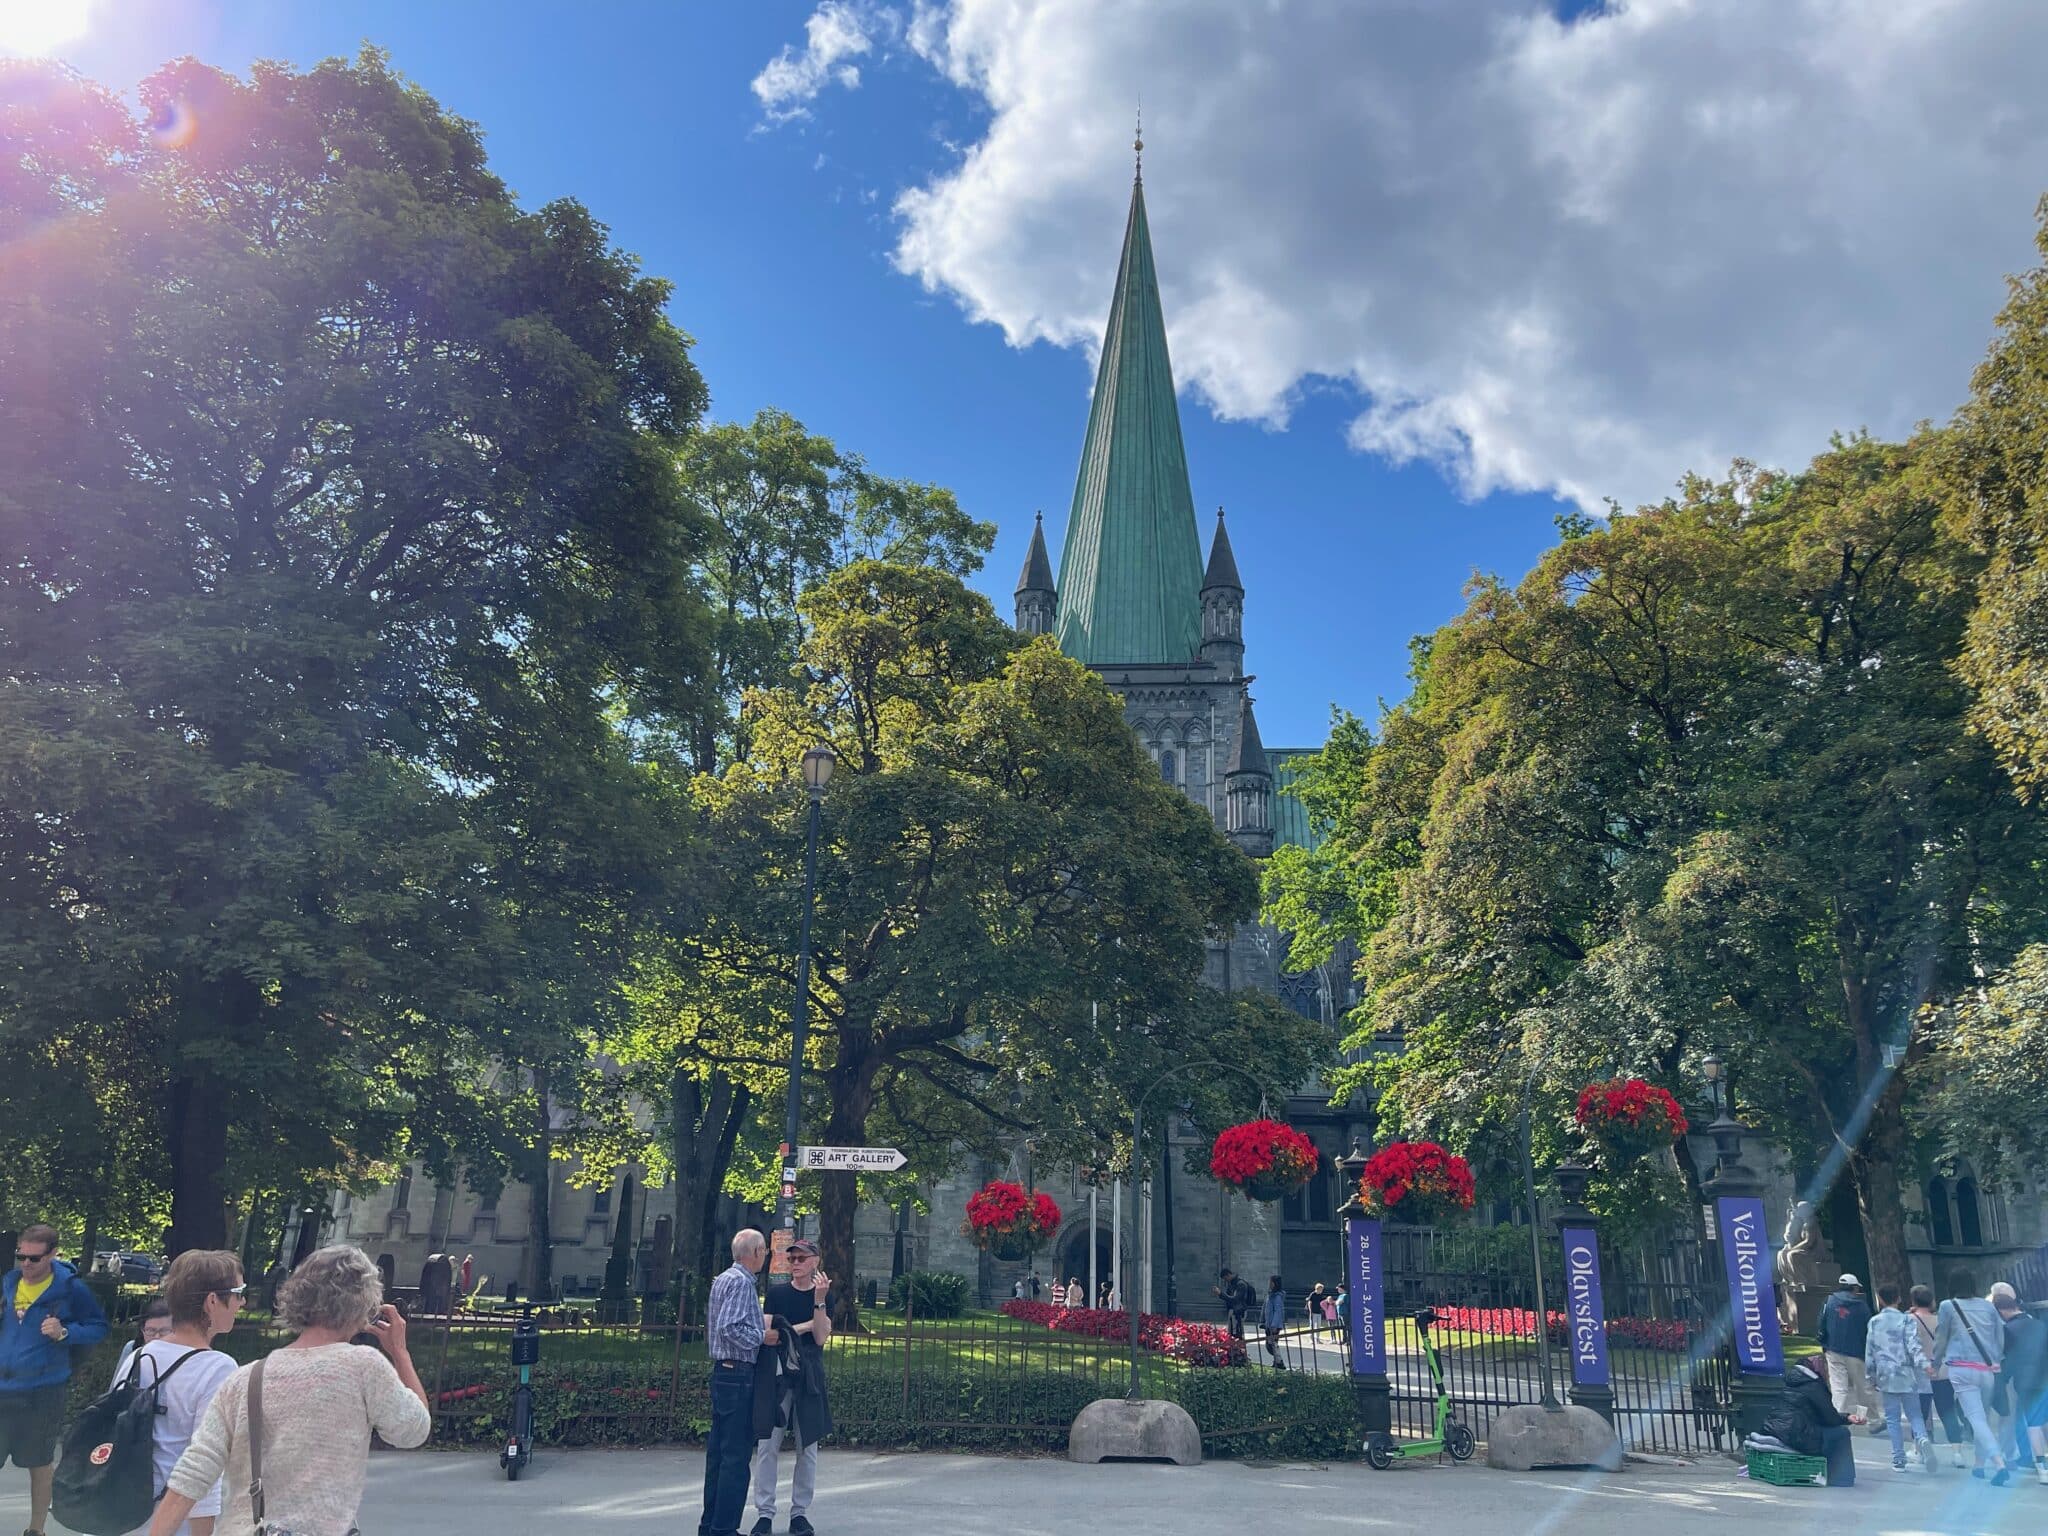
(319, 1408)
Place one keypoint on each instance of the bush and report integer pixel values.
(935, 1293)
(1272, 1413)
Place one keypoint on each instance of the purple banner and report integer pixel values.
(1752, 1297)
(1365, 1266)
(1585, 1309)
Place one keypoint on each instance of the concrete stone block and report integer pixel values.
(1527, 1436)
(1146, 1430)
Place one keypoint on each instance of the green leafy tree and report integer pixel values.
(1996, 470)
(305, 427)
(1986, 1078)
(1012, 907)
(1703, 780)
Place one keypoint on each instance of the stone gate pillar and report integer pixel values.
(1584, 1301)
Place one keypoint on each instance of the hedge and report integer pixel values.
(937, 1293)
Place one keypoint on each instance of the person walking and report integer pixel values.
(789, 1389)
(1034, 1285)
(1939, 1400)
(1017, 1289)
(1312, 1309)
(2026, 1382)
(1330, 1314)
(1275, 1319)
(1343, 1312)
(203, 1293)
(1895, 1363)
(48, 1312)
(1237, 1298)
(304, 1415)
(1844, 1327)
(1805, 1419)
(1969, 1341)
(733, 1336)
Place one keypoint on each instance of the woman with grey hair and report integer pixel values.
(319, 1401)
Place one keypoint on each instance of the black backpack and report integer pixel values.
(105, 1483)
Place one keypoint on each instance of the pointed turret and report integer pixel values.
(1248, 789)
(1131, 571)
(1223, 608)
(1037, 599)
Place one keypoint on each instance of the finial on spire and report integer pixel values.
(1138, 144)
(1219, 511)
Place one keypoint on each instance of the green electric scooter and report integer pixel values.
(1381, 1449)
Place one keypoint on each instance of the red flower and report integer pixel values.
(1002, 1209)
(1419, 1172)
(1194, 1343)
(1630, 1116)
(1262, 1149)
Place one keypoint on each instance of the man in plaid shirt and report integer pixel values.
(733, 1335)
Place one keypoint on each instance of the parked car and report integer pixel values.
(130, 1268)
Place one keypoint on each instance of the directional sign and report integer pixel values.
(861, 1159)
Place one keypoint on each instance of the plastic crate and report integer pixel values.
(1785, 1469)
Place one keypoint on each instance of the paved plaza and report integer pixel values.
(655, 1493)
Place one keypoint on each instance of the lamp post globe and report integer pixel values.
(818, 764)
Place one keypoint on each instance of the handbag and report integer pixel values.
(263, 1527)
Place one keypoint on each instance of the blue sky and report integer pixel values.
(1329, 279)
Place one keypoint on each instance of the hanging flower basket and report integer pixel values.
(1265, 1159)
(1009, 1222)
(1627, 1119)
(1416, 1181)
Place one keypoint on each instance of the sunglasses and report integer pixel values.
(237, 1291)
(31, 1258)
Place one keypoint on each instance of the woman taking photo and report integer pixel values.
(202, 1294)
(321, 1398)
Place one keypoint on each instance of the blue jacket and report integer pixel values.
(1844, 1323)
(27, 1359)
(1276, 1309)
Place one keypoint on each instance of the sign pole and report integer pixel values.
(1585, 1303)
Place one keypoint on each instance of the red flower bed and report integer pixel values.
(1193, 1343)
(1629, 1117)
(1002, 1214)
(1264, 1158)
(1520, 1323)
(1416, 1178)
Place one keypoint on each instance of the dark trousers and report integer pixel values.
(1840, 1451)
(728, 1452)
(1942, 1401)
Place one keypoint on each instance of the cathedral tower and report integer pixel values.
(1037, 599)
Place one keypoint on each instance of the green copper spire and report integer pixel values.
(1131, 572)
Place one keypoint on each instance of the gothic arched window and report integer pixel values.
(1969, 1219)
(1166, 768)
(1937, 1213)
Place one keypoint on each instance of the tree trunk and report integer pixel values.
(705, 1126)
(1875, 1170)
(852, 1087)
(199, 1161)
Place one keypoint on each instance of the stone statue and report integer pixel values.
(1805, 1269)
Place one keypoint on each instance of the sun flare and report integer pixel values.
(32, 27)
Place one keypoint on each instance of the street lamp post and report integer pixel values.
(817, 766)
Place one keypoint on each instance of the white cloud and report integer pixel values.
(837, 32)
(1577, 257)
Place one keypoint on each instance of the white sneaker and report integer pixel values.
(2041, 1474)
(1955, 1456)
(1924, 1449)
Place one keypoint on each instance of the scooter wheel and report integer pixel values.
(1379, 1451)
(512, 1471)
(1459, 1442)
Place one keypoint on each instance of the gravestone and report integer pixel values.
(387, 1271)
(437, 1284)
